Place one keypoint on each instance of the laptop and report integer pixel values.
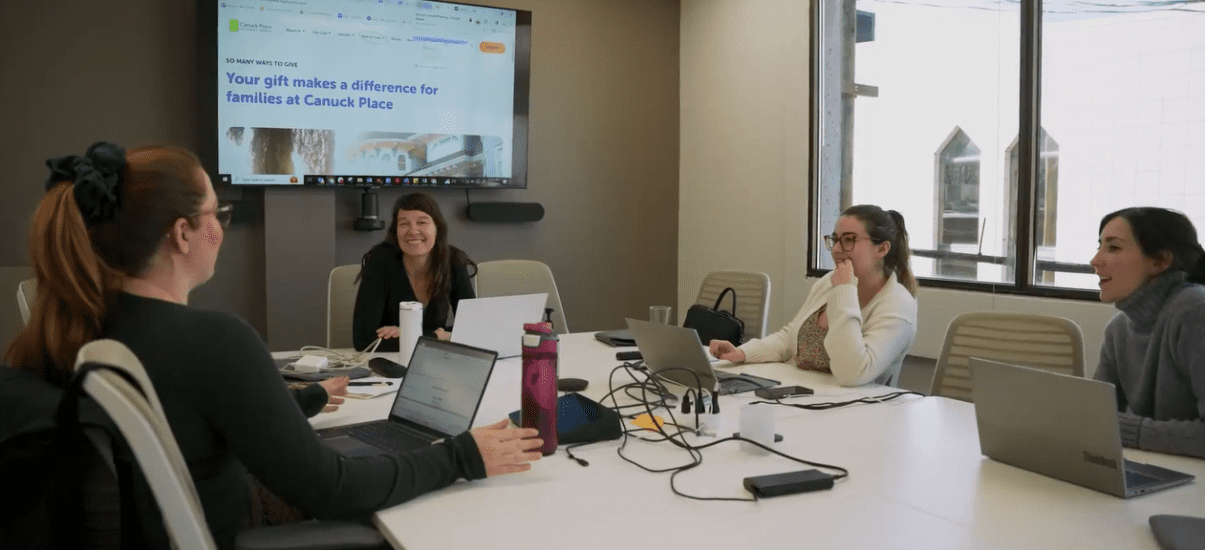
(437, 399)
(1060, 426)
(497, 323)
(675, 354)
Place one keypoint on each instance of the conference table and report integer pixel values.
(916, 480)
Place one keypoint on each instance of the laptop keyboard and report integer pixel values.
(386, 435)
(1135, 479)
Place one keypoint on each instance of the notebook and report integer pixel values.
(497, 323)
(675, 354)
(1060, 426)
(437, 399)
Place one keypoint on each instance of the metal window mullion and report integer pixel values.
(815, 120)
(1027, 139)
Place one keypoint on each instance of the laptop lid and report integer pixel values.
(1057, 425)
(443, 387)
(496, 323)
(673, 353)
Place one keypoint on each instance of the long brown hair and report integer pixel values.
(443, 255)
(80, 268)
(888, 225)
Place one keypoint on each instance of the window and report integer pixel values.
(1045, 220)
(1004, 131)
(958, 200)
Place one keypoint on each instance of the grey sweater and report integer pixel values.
(1154, 353)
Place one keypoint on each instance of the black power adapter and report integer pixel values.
(788, 483)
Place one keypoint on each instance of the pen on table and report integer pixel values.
(370, 383)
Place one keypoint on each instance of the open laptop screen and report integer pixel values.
(444, 385)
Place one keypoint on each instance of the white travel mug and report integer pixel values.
(410, 327)
(757, 424)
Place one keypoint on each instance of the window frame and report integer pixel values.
(1028, 144)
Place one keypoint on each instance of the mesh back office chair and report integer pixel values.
(752, 297)
(513, 277)
(141, 422)
(27, 292)
(341, 305)
(1038, 341)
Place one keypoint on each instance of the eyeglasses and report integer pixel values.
(222, 213)
(847, 240)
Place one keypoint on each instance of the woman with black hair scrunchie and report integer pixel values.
(118, 244)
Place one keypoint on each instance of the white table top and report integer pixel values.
(917, 480)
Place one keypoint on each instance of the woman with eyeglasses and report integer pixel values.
(859, 320)
(1152, 268)
(117, 245)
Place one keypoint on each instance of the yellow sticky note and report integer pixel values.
(647, 422)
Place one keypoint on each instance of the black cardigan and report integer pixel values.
(231, 413)
(384, 284)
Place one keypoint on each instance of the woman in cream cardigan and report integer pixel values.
(859, 320)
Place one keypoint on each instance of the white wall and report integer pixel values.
(743, 164)
(743, 159)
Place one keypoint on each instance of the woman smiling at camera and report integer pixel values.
(414, 263)
(860, 319)
(118, 244)
(1152, 267)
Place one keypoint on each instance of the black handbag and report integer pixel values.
(712, 323)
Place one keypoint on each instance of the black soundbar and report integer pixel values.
(505, 212)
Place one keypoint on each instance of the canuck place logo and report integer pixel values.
(1100, 460)
(235, 25)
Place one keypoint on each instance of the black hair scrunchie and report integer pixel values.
(95, 176)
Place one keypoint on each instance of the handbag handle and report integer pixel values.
(721, 298)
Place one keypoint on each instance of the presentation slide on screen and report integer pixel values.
(318, 90)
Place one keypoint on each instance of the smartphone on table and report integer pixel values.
(782, 392)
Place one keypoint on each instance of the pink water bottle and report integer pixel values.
(539, 395)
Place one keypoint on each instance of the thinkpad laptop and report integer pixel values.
(438, 398)
(1060, 426)
(496, 323)
(675, 354)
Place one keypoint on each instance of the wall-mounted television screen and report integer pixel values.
(366, 93)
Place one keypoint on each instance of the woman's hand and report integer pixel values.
(335, 388)
(387, 332)
(443, 334)
(844, 273)
(724, 350)
(506, 450)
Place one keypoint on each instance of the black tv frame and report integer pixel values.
(207, 111)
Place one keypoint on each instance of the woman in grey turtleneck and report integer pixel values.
(1152, 267)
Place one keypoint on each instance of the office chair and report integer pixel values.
(27, 292)
(341, 305)
(139, 417)
(1037, 341)
(512, 277)
(752, 297)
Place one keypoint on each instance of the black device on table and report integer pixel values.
(782, 392)
(384, 367)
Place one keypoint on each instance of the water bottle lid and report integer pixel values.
(542, 327)
(410, 305)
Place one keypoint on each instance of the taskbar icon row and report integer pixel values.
(380, 181)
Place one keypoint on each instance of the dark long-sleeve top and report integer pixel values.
(384, 284)
(231, 413)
